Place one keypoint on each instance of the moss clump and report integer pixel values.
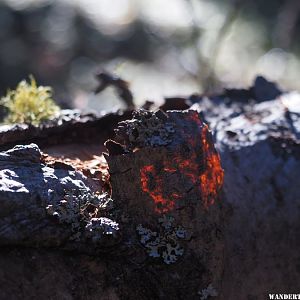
(29, 103)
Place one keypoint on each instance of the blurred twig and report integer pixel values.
(286, 23)
(106, 79)
(196, 31)
(206, 70)
(221, 36)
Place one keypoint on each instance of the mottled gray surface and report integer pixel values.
(27, 187)
(262, 191)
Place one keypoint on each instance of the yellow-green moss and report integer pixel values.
(29, 103)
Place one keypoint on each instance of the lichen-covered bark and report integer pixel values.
(259, 149)
(172, 224)
(71, 126)
(43, 207)
(260, 152)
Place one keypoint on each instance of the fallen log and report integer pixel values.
(71, 126)
(174, 239)
(169, 217)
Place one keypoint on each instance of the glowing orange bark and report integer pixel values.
(202, 169)
(163, 204)
(212, 178)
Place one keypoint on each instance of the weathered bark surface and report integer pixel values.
(28, 187)
(171, 238)
(260, 204)
(171, 221)
(260, 152)
(70, 127)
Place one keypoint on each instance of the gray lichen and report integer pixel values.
(166, 221)
(97, 227)
(145, 129)
(81, 210)
(171, 254)
(165, 243)
(210, 291)
(180, 232)
(67, 211)
(145, 234)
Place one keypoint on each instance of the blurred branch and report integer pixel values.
(221, 36)
(206, 70)
(106, 79)
(196, 30)
(286, 23)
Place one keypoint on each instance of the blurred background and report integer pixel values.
(163, 48)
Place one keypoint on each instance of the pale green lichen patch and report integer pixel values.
(29, 103)
(83, 212)
(164, 244)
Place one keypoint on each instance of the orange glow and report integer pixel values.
(163, 204)
(202, 168)
(212, 178)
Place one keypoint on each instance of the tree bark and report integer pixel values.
(175, 238)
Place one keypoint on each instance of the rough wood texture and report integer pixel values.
(259, 149)
(71, 126)
(43, 206)
(260, 152)
(166, 186)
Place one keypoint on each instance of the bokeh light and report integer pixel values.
(162, 48)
